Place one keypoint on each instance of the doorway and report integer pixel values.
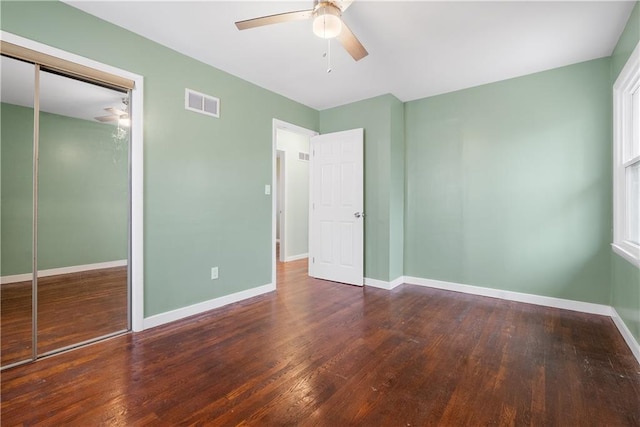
(291, 192)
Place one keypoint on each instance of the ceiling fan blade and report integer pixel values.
(351, 43)
(274, 19)
(106, 118)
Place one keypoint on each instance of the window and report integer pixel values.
(626, 160)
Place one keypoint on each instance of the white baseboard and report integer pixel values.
(296, 257)
(63, 270)
(584, 307)
(375, 283)
(626, 334)
(180, 313)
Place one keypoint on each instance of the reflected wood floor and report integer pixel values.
(72, 308)
(322, 353)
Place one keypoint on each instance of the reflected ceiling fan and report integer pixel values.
(327, 24)
(116, 114)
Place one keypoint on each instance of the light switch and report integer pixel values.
(267, 189)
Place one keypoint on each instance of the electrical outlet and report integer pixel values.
(214, 273)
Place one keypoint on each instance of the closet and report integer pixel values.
(65, 206)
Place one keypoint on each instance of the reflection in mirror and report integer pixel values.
(16, 204)
(83, 212)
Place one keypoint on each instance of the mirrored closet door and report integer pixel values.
(78, 193)
(16, 211)
(83, 208)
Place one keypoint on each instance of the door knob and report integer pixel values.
(359, 214)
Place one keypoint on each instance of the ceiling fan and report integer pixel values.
(327, 24)
(116, 114)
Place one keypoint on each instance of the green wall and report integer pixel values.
(625, 279)
(83, 185)
(509, 184)
(83, 194)
(625, 293)
(382, 118)
(204, 178)
(627, 42)
(16, 191)
(396, 190)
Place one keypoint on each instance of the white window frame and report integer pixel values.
(626, 84)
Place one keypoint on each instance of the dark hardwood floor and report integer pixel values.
(322, 353)
(72, 308)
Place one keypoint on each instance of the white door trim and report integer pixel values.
(281, 202)
(279, 124)
(137, 237)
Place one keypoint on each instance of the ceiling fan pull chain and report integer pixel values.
(328, 55)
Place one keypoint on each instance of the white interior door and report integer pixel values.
(336, 226)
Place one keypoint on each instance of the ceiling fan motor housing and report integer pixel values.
(327, 22)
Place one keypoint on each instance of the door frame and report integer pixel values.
(280, 196)
(279, 125)
(136, 259)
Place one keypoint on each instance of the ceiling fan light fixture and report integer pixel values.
(327, 23)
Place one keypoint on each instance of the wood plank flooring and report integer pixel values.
(327, 354)
(72, 308)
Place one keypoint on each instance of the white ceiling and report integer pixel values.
(58, 95)
(416, 48)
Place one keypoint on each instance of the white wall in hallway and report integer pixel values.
(296, 194)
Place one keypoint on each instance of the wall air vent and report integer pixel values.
(303, 156)
(201, 103)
